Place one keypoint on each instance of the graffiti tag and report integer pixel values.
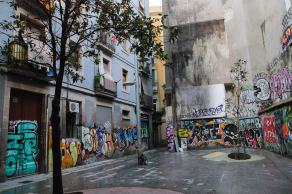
(22, 148)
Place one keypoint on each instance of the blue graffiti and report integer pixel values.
(22, 149)
(100, 141)
(121, 139)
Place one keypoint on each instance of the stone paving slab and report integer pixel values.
(126, 190)
(185, 172)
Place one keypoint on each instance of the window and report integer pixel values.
(125, 79)
(125, 118)
(154, 104)
(106, 66)
(126, 114)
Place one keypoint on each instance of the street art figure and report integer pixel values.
(22, 148)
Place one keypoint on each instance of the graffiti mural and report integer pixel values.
(262, 86)
(170, 138)
(98, 143)
(100, 133)
(22, 148)
(86, 140)
(286, 38)
(288, 124)
(72, 153)
(223, 132)
(277, 130)
(124, 138)
(270, 135)
(250, 129)
(281, 83)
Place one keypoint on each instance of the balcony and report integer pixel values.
(105, 43)
(146, 101)
(105, 87)
(34, 7)
(27, 69)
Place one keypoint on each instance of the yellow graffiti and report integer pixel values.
(183, 133)
(74, 154)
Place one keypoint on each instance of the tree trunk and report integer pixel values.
(55, 122)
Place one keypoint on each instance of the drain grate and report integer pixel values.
(25, 182)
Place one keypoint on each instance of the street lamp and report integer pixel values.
(18, 49)
(136, 83)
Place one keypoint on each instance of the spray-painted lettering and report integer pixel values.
(22, 148)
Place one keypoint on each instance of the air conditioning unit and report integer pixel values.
(73, 107)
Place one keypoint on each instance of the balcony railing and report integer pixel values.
(29, 69)
(105, 87)
(146, 101)
(105, 43)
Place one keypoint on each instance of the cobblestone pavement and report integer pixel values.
(196, 171)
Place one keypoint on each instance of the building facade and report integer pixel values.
(200, 91)
(98, 115)
(158, 81)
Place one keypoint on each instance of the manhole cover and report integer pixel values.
(239, 156)
(25, 182)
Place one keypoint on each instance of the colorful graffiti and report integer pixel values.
(89, 139)
(22, 148)
(183, 133)
(72, 153)
(277, 130)
(223, 132)
(98, 142)
(288, 124)
(170, 138)
(281, 83)
(269, 129)
(286, 38)
(126, 137)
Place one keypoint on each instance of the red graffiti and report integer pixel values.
(269, 130)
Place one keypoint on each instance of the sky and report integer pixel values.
(154, 2)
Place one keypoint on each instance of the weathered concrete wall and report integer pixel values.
(248, 30)
(216, 33)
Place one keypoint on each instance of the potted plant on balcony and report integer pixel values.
(97, 81)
